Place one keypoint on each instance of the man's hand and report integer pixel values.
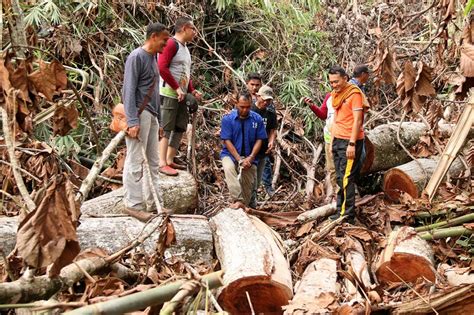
(197, 95)
(308, 101)
(181, 94)
(350, 152)
(247, 162)
(271, 146)
(133, 131)
(161, 133)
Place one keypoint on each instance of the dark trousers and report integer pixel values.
(347, 173)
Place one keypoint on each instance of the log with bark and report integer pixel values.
(316, 290)
(406, 257)
(178, 193)
(256, 270)
(413, 176)
(383, 149)
(193, 235)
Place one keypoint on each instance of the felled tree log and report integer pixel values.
(193, 235)
(253, 262)
(179, 193)
(406, 257)
(383, 149)
(357, 264)
(413, 176)
(317, 289)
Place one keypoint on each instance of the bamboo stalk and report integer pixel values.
(451, 222)
(444, 233)
(144, 299)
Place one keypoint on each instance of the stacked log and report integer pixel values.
(412, 177)
(257, 276)
(406, 258)
(383, 148)
(178, 193)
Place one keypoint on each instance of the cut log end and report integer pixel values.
(369, 157)
(266, 296)
(406, 258)
(396, 269)
(397, 181)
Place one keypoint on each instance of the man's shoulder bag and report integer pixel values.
(119, 119)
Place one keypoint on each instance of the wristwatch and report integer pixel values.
(351, 144)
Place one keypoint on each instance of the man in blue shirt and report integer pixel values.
(242, 133)
(360, 76)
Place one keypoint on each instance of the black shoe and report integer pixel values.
(334, 217)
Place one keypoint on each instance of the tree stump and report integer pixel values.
(193, 235)
(406, 257)
(317, 289)
(253, 262)
(179, 193)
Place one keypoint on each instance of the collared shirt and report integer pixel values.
(269, 121)
(243, 133)
(356, 82)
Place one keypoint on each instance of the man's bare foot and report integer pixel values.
(237, 205)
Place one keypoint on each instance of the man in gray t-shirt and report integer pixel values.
(140, 86)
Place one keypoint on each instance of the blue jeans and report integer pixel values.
(267, 176)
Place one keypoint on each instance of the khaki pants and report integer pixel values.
(138, 195)
(331, 184)
(239, 190)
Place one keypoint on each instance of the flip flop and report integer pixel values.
(167, 170)
(178, 166)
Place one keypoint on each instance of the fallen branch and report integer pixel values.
(144, 299)
(97, 167)
(327, 210)
(9, 141)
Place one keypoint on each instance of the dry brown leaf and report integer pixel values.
(64, 119)
(105, 287)
(470, 155)
(359, 232)
(91, 253)
(48, 234)
(49, 79)
(384, 65)
(414, 86)
(304, 229)
(170, 234)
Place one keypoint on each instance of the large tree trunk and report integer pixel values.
(193, 235)
(383, 149)
(253, 262)
(316, 290)
(406, 257)
(413, 176)
(178, 194)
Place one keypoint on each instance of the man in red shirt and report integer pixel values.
(347, 139)
(174, 64)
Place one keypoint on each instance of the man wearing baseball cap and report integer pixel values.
(264, 100)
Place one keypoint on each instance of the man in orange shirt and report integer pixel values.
(348, 139)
